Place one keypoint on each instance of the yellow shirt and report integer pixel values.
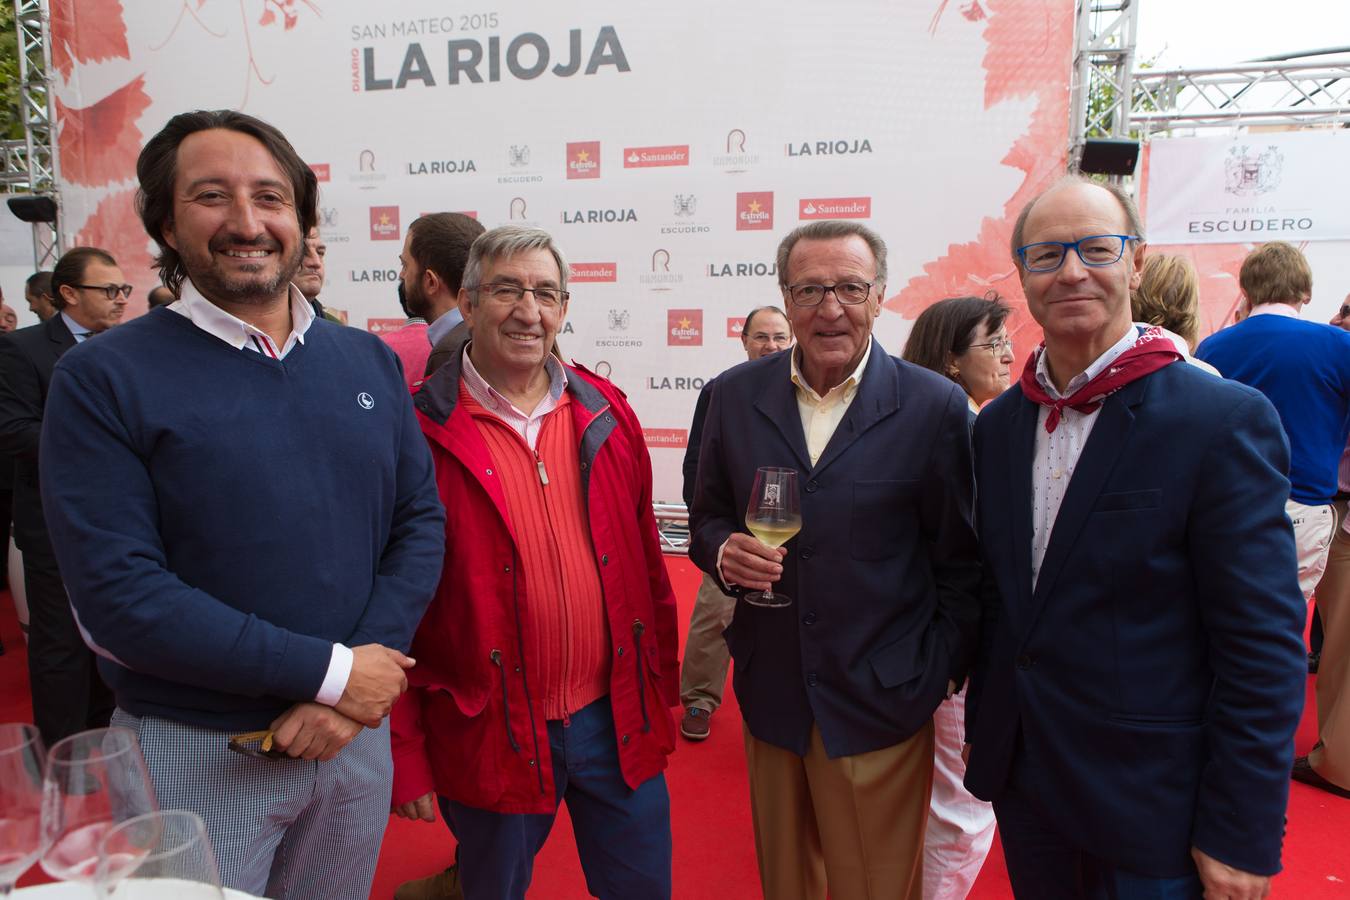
(822, 415)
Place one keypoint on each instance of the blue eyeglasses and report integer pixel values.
(1095, 250)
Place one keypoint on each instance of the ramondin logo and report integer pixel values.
(366, 161)
(736, 159)
(517, 208)
(661, 278)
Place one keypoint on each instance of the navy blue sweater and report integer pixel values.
(221, 518)
(1303, 368)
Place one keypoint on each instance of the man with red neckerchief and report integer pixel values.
(1140, 676)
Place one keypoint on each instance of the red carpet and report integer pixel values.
(714, 844)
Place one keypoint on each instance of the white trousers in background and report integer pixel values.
(1313, 529)
(960, 827)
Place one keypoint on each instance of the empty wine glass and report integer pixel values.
(774, 517)
(158, 855)
(94, 780)
(20, 802)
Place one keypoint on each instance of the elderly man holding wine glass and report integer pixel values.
(873, 615)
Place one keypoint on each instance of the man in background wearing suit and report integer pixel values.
(838, 689)
(431, 269)
(1140, 677)
(703, 671)
(90, 295)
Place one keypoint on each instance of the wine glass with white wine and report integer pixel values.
(774, 517)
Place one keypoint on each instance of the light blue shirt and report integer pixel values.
(444, 325)
(76, 328)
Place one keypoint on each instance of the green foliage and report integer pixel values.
(11, 121)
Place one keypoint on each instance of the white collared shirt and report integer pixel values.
(821, 415)
(527, 425)
(1057, 453)
(242, 336)
(238, 333)
(1274, 309)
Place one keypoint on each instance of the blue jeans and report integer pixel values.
(623, 835)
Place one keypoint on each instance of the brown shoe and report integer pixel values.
(695, 725)
(441, 886)
(1304, 772)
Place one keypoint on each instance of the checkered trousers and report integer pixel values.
(284, 829)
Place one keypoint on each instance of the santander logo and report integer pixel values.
(647, 157)
(835, 208)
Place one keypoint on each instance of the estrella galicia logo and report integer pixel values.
(365, 401)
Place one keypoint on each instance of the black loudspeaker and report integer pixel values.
(33, 209)
(1109, 156)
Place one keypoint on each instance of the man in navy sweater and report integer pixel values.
(244, 511)
(1303, 368)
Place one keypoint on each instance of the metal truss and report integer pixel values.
(32, 166)
(1102, 89)
(1250, 94)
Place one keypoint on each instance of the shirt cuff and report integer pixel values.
(335, 682)
(726, 583)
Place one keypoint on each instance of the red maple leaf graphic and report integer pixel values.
(99, 143)
(115, 227)
(95, 33)
(1030, 49)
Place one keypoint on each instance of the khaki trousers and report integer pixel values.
(703, 672)
(854, 824)
(1331, 760)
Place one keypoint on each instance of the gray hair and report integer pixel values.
(1133, 223)
(829, 230)
(508, 240)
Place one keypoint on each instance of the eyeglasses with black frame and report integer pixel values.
(511, 294)
(849, 293)
(112, 290)
(1095, 250)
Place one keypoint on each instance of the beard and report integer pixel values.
(417, 303)
(250, 286)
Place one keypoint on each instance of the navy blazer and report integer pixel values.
(1156, 672)
(27, 357)
(883, 574)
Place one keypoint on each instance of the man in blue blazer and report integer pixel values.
(838, 689)
(1141, 669)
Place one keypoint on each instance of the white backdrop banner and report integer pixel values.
(1249, 189)
(668, 147)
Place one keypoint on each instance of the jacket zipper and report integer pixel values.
(496, 657)
(638, 628)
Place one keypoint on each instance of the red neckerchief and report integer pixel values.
(1150, 353)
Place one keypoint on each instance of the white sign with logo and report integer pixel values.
(1249, 189)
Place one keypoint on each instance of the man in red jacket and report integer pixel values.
(548, 659)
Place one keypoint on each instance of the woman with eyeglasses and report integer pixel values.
(963, 338)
